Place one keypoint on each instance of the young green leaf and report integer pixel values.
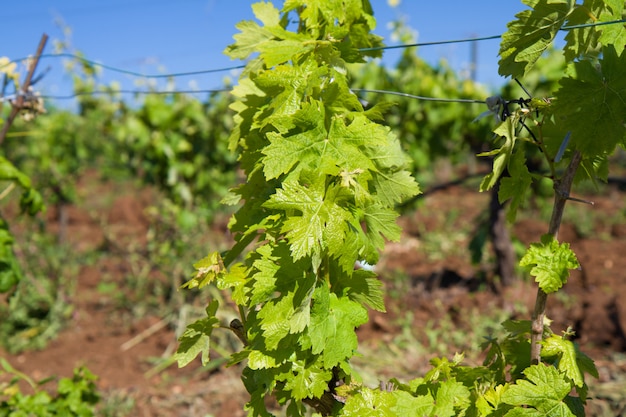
(370, 403)
(207, 271)
(305, 231)
(275, 316)
(333, 320)
(542, 393)
(515, 186)
(306, 379)
(395, 187)
(505, 130)
(380, 223)
(197, 337)
(614, 35)
(235, 279)
(408, 405)
(445, 397)
(258, 383)
(252, 35)
(584, 40)
(332, 18)
(490, 402)
(363, 287)
(571, 361)
(551, 263)
(452, 398)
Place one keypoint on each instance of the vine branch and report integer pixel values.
(562, 189)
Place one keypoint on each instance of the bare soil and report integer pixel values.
(98, 335)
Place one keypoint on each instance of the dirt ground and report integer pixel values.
(594, 302)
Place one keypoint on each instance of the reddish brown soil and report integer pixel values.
(595, 305)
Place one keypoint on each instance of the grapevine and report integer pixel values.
(323, 178)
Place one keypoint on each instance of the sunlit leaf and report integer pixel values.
(542, 393)
(550, 263)
(531, 34)
(195, 339)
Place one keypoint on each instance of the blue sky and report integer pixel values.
(164, 36)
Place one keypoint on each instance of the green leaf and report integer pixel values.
(309, 149)
(614, 34)
(248, 41)
(598, 93)
(275, 316)
(515, 186)
(552, 262)
(531, 34)
(196, 338)
(393, 188)
(333, 321)
(306, 380)
(505, 130)
(263, 281)
(207, 270)
(288, 313)
(347, 22)
(378, 111)
(370, 403)
(357, 141)
(583, 41)
(490, 403)
(316, 217)
(235, 279)
(363, 287)
(278, 52)
(263, 360)
(517, 327)
(266, 13)
(258, 383)
(287, 84)
(305, 231)
(31, 202)
(543, 393)
(380, 223)
(8, 172)
(342, 147)
(10, 272)
(571, 361)
(409, 406)
(451, 397)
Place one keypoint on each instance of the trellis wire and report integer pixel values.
(232, 68)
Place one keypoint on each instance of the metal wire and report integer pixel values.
(484, 38)
(237, 67)
(138, 92)
(128, 72)
(398, 93)
(214, 70)
(410, 45)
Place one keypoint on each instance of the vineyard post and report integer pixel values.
(19, 102)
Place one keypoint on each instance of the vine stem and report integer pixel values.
(562, 189)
